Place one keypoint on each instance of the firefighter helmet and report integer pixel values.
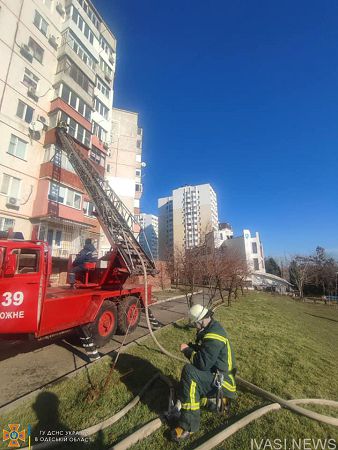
(197, 312)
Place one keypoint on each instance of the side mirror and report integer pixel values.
(10, 266)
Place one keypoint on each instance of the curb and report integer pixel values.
(33, 394)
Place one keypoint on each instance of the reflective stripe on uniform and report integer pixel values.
(225, 341)
(193, 405)
(192, 356)
(228, 386)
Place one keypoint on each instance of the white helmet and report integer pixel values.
(197, 312)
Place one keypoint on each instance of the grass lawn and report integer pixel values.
(286, 347)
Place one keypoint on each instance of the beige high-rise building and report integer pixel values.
(186, 217)
(58, 60)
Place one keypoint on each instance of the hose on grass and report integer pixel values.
(232, 429)
(246, 384)
(111, 420)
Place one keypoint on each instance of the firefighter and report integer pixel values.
(210, 373)
(87, 254)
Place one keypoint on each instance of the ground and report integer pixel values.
(285, 346)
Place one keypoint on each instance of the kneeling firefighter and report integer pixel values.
(209, 378)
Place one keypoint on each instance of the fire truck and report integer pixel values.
(95, 300)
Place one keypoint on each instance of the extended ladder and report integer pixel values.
(119, 225)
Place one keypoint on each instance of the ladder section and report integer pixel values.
(119, 225)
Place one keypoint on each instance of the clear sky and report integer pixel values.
(242, 95)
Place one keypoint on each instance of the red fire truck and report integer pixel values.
(96, 299)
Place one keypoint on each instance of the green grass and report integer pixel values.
(287, 347)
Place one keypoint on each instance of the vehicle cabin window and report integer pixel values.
(27, 261)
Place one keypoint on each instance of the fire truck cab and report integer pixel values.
(28, 305)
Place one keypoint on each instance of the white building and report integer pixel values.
(149, 236)
(186, 217)
(215, 239)
(250, 248)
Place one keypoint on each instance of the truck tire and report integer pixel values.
(129, 314)
(104, 326)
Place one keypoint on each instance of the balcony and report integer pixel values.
(59, 104)
(67, 50)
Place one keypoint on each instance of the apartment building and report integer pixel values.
(58, 63)
(215, 238)
(186, 217)
(149, 236)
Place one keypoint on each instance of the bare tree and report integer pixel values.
(300, 270)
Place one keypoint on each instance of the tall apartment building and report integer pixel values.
(58, 63)
(149, 236)
(186, 217)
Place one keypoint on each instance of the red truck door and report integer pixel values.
(21, 289)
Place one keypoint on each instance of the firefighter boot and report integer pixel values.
(179, 435)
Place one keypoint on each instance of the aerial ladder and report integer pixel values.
(120, 226)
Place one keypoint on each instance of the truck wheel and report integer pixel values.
(129, 314)
(105, 324)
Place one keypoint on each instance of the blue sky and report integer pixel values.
(243, 95)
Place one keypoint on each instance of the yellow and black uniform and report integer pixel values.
(211, 352)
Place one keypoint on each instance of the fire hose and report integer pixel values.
(155, 424)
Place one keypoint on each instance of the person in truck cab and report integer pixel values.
(87, 254)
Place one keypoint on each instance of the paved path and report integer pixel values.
(26, 366)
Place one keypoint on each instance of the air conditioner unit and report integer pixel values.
(12, 203)
(60, 9)
(105, 145)
(26, 52)
(32, 93)
(52, 41)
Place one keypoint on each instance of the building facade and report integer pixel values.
(250, 248)
(186, 218)
(58, 63)
(149, 237)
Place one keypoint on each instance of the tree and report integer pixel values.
(300, 272)
(271, 266)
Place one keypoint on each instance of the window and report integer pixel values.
(108, 168)
(103, 88)
(256, 264)
(40, 23)
(138, 187)
(10, 186)
(66, 65)
(51, 154)
(88, 209)
(254, 247)
(99, 132)
(97, 156)
(93, 17)
(28, 260)
(138, 172)
(101, 108)
(76, 130)
(105, 46)
(29, 79)
(75, 101)
(64, 195)
(106, 69)
(36, 49)
(24, 111)
(82, 26)
(6, 223)
(17, 147)
(139, 144)
(79, 49)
